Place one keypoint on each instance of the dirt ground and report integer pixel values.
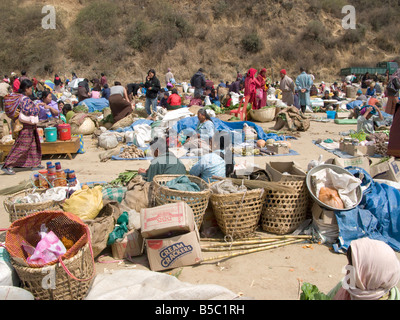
(267, 275)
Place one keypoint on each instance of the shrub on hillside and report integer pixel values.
(251, 43)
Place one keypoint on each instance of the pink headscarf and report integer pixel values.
(376, 270)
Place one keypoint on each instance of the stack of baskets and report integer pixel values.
(69, 277)
(238, 214)
(197, 201)
(283, 212)
(18, 210)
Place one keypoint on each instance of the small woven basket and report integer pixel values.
(238, 214)
(62, 286)
(20, 210)
(283, 212)
(197, 201)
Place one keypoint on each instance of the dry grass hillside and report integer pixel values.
(124, 38)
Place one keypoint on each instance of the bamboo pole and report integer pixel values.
(243, 247)
(234, 254)
(261, 238)
(237, 243)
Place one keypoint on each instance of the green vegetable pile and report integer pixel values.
(124, 178)
(360, 136)
(80, 109)
(311, 292)
(216, 108)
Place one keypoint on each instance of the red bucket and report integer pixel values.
(64, 132)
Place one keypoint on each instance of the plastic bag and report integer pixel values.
(108, 141)
(142, 135)
(48, 249)
(120, 229)
(85, 203)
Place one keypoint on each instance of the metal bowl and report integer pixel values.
(312, 188)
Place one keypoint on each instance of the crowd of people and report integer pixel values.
(252, 88)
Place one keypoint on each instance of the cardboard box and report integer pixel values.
(361, 162)
(387, 170)
(179, 251)
(131, 246)
(277, 170)
(357, 150)
(159, 222)
(279, 149)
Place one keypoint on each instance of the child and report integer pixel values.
(164, 100)
(228, 101)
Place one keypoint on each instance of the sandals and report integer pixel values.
(39, 167)
(9, 171)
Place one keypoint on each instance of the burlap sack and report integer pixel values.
(102, 226)
(138, 195)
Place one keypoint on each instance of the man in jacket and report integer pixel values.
(152, 86)
(198, 81)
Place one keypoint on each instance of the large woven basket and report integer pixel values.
(283, 212)
(198, 201)
(238, 214)
(263, 115)
(20, 210)
(67, 278)
(40, 283)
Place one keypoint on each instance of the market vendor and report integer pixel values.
(374, 269)
(119, 102)
(164, 162)
(174, 101)
(367, 118)
(218, 163)
(47, 106)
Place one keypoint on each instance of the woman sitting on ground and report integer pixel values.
(367, 118)
(164, 162)
(218, 163)
(26, 151)
(373, 272)
(196, 101)
(174, 100)
(48, 107)
(214, 99)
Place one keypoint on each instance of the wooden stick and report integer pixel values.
(234, 254)
(244, 247)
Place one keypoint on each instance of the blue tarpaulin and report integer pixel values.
(95, 105)
(192, 122)
(376, 217)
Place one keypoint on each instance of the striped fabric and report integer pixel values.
(11, 105)
(26, 151)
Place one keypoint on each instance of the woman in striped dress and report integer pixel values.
(26, 151)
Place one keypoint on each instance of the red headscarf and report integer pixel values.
(283, 71)
(251, 73)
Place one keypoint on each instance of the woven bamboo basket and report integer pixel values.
(20, 210)
(197, 201)
(40, 281)
(283, 212)
(238, 214)
(263, 115)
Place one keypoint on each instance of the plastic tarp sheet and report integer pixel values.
(95, 105)
(376, 217)
(232, 127)
(149, 285)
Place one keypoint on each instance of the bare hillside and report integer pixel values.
(125, 38)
